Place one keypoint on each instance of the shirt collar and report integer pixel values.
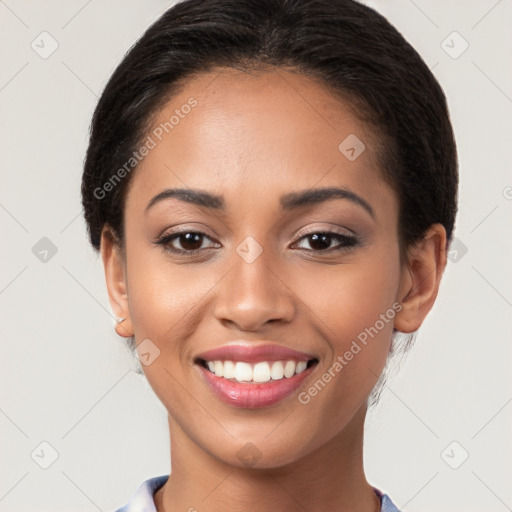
(142, 500)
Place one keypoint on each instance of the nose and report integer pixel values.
(253, 294)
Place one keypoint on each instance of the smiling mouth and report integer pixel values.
(256, 372)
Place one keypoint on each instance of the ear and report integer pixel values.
(421, 277)
(115, 276)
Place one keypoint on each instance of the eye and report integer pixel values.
(321, 241)
(190, 241)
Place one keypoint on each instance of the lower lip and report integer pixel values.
(254, 395)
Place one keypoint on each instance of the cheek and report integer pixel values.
(351, 306)
(165, 301)
(350, 298)
(163, 295)
(356, 308)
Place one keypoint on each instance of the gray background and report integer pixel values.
(66, 378)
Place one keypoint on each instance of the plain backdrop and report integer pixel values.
(70, 401)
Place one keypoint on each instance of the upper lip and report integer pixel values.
(249, 352)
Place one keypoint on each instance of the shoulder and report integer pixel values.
(142, 499)
(386, 505)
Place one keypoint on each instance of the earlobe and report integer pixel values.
(115, 277)
(421, 277)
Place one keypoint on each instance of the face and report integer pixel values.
(252, 264)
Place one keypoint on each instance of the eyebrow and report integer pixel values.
(289, 202)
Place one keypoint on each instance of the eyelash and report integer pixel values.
(347, 242)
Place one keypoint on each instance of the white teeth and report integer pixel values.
(219, 368)
(243, 371)
(263, 371)
(277, 371)
(229, 370)
(289, 369)
(301, 366)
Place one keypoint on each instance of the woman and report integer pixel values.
(272, 186)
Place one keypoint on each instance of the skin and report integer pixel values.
(252, 138)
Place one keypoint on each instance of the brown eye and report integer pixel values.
(321, 241)
(184, 242)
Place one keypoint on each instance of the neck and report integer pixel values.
(329, 478)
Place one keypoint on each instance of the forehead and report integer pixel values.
(270, 132)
